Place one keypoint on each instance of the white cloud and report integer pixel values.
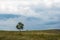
(16, 7)
(22, 7)
(46, 8)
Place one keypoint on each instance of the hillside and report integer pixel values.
(30, 35)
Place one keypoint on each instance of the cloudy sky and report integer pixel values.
(34, 14)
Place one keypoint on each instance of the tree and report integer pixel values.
(19, 26)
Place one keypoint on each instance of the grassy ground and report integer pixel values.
(30, 35)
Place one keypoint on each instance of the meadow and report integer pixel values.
(30, 35)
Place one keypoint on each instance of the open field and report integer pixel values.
(30, 35)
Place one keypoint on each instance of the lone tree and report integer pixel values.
(19, 26)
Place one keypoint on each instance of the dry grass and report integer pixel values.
(29, 35)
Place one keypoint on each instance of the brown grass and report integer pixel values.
(29, 35)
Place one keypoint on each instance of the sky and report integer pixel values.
(34, 14)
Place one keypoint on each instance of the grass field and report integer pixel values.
(30, 35)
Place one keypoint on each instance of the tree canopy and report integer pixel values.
(20, 26)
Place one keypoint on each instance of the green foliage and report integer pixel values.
(19, 26)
